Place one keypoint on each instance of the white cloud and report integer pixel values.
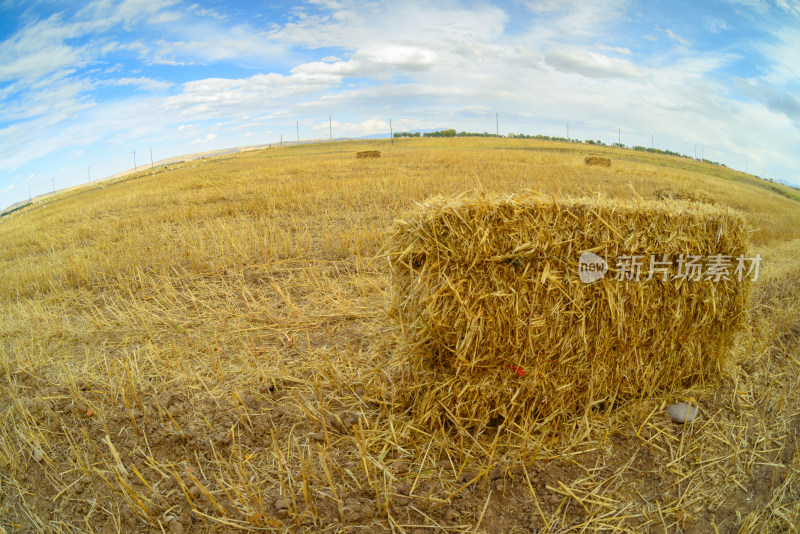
(143, 82)
(760, 6)
(30, 178)
(672, 35)
(357, 25)
(7, 189)
(617, 49)
(221, 97)
(39, 49)
(205, 12)
(782, 56)
(364, 128)
(376, 60)
(207, 139)
(592, 64)
(790, 6)
(716, 25)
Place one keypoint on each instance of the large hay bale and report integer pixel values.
(368, 154)
(498, 323)
(597, 160)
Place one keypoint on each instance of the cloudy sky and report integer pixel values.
(85, 84)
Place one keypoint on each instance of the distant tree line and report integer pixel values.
(446, 133)
(9, 212)
(660, 151)
(452, 133)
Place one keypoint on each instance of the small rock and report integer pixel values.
(280, 504)
(175, 526)
(466, 476)
(194, 491)
(402, 488)
(38, 455)
(350, 421)
(682, 412)
(446, 464)
(450, 515)
(554, 499)
(317, 436)
(400, 468)
(352, 514)
(500, 486)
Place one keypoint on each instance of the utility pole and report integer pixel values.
(298, 133)
(652, 136)
(54, 185)
(89, 176)
(391, 131)
(702, 153)
(330, 127)
(135, 168)
(151, 158)
(619, 136)
(695, 151)
(568, 132)
(497, 124)
(281, 140)
(30, 195)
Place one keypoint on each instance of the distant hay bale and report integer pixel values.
(368, 154)
(667, 193)
(498, 325)
(598, 160)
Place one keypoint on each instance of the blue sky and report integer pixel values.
(84, 85)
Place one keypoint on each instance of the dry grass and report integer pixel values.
(208, 347)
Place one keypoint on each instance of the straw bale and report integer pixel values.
(668, 193)
(598, 160)
(368, 154)
(497, 323)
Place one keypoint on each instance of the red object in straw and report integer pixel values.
(519, 370)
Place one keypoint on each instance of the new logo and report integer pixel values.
(591, 267)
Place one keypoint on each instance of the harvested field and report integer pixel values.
(209, 349)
